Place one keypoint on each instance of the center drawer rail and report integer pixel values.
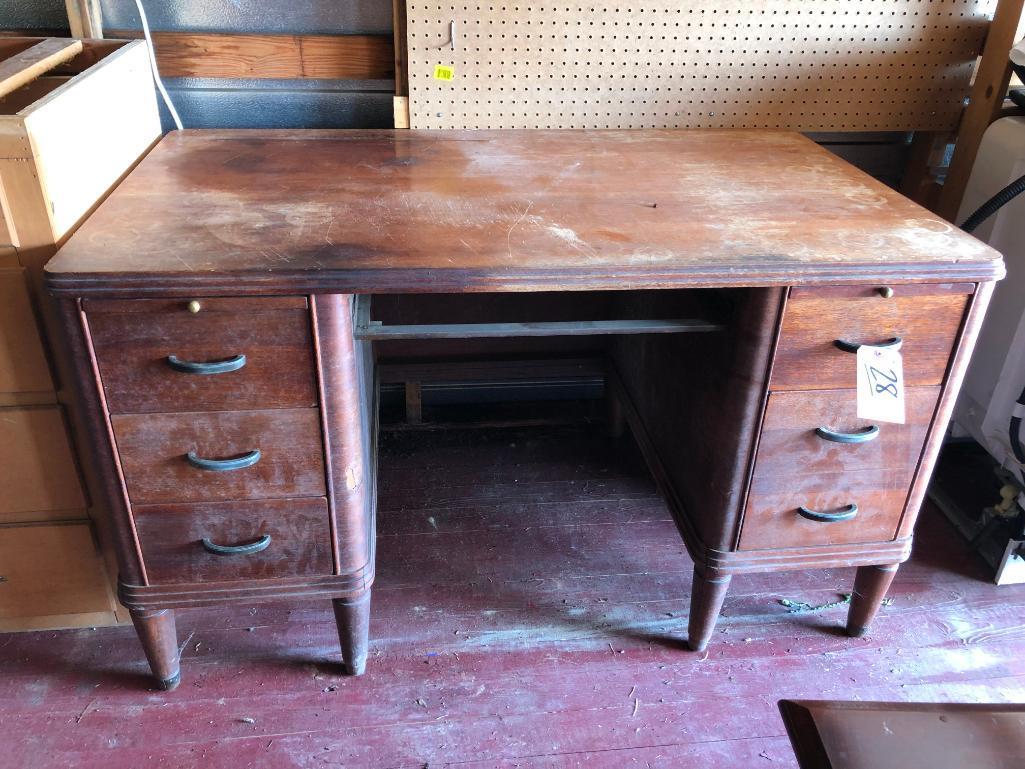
(367, 329)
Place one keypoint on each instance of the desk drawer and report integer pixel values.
(926, 318)
(154, 448)
(285, 538)
(135, 340)
(797, 467)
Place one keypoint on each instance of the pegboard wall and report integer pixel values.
(810, 65)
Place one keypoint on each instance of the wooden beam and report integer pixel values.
(326, 57)
(918, 181)
(985, 102)
(558, 328)
(499, 369)
(400, 102)
(399, 44)
(400, 108)
(414, 403)
(84, 18)
(24, 67)
(29, 32)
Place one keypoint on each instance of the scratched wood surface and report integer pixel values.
(366, 211)
(480, 657)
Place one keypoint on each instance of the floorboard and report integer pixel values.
(530, 612)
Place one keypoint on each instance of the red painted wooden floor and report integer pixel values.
(531, 601)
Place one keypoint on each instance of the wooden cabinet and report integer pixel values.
(776, 471)
(822, 476)
(825, 484)
(226, 493)
(81, 119)
(52, 576)
(74, 117)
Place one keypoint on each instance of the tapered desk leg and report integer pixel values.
(870, 586)
(160, 642)
(352, 616)
(706, 600)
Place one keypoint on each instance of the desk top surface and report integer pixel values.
(381, 210)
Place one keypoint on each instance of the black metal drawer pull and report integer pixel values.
(248, 459)
(206, 367)
(862, 436)
(841, 515)
(253, 547)
(846, 346)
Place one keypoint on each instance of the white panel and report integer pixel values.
(996, 375)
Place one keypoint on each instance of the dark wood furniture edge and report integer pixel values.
(141, 597)
(804, 735)
(369, 383)
(963, 346)
(913, 707)
(391, 371)
(99, 439)
(753, 453)
(399, 45)
(440, 280)
(321, 363)
(346, 463)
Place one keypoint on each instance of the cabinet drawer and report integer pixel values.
(135, 340)
(797, 467)
(296, 534)
(926, 318)
(154, 448)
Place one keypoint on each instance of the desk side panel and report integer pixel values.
(698, 400)
(115, 522)
(344, 399)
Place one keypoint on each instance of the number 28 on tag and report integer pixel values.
(880, 384)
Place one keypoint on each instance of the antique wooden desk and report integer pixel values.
(218, 306)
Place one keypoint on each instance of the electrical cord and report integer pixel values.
(153, 66)
(1014, 430)
(981, 214)
(994, 204)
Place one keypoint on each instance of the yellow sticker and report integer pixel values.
(441, 72)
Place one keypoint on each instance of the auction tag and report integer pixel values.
(441, 72)
(880, 384)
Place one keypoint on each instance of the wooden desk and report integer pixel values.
(712, 271)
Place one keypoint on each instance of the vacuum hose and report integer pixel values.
(1014, 432)
(991, 206)
(982, 213)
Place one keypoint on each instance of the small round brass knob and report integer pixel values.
(885, 292)
(193, 307)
